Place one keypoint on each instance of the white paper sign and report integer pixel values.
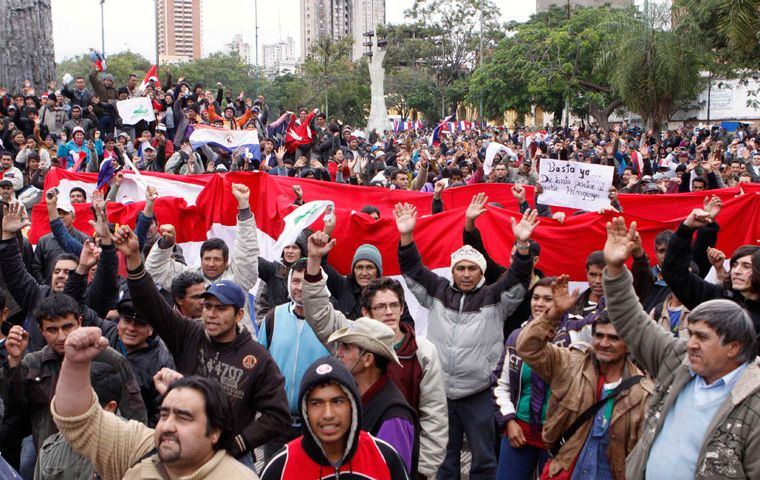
(133, 110)
(576, 185)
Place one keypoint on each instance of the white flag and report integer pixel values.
(133, 110)
(491, 150)
(297, 221)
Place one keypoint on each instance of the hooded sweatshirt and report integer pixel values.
(364, 457)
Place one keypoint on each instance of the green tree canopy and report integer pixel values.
(549, 61)
(654, 69)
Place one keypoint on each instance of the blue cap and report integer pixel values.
(227, 292)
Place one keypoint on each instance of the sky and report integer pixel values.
(130, 24)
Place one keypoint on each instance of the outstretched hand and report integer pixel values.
(563, 298)
(477, 206)
(621, 242)
(712, 205)
(406, 218)
(14, 219)
(525, 227)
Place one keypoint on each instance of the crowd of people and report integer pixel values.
(120, 360)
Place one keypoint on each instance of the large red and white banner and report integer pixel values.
(202, 204)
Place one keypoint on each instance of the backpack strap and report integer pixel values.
(590, 412)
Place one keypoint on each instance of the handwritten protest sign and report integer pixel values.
(575, 185)
(133, 110)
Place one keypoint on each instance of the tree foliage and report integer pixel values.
(335, 84)
(430, 59)
(546, 62)
(727, 31)
(120, 65)
(655, 70)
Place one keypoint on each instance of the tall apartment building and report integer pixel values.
(543, 5)
(179, 30)
(239, 47)
(366, 16)
(324, 18)
(279, 58)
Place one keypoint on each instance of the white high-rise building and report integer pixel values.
(324, 18)
(179, 30)
(366, 16)
(279, 58)
(240, 47)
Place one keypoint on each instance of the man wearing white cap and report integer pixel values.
(366, 348)
(465, 323)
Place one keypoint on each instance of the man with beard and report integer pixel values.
(189, 440)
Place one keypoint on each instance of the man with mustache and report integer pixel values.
(190, 439)
(600, 386)
(708, 387)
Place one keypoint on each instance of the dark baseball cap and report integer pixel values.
(227, 292)
(126, 308)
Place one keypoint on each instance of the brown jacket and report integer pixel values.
(573, 375)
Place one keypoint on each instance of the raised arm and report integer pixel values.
(112, 444)
(168, 323)
(104, 288)
(245, 254)
(649, 343)
(707, 236)
(159, 263)
(145, 218)
(687, 286)
(422, 281)
(323, 318)
(533, 343)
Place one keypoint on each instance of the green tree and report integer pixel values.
(727, 30)
(439, 45)
(550, 61)
(335, 84)
(409, 88)
(120, 65)
(227, 68)
(654, 69)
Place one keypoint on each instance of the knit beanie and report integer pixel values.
(372, 254)
(470, 254)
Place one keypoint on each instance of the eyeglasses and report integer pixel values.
(381, 307)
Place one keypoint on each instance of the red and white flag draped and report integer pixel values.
(203, 205)
(199, 204)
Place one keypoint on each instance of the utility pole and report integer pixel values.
(102, 30)
(256, 22)
(480, 110)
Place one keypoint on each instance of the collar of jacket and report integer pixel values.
(408, 348)
(748, 383)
